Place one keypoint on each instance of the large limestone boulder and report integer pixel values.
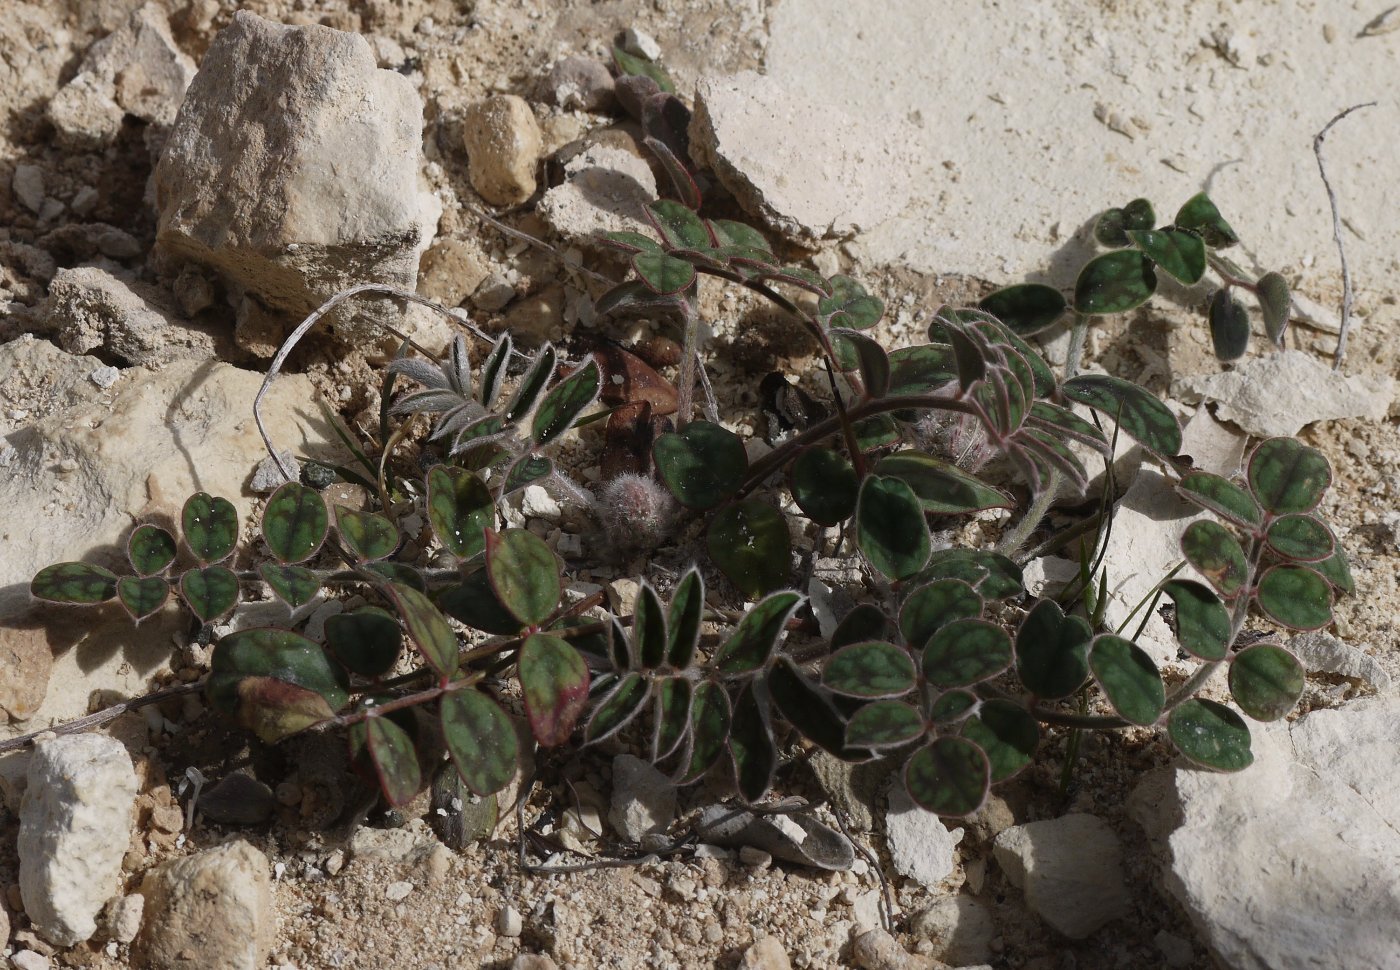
(293, 168)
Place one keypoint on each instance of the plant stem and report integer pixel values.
(1074, 354)
(1016, 537)
(1337, 233)
(104, 715)
(685, 384)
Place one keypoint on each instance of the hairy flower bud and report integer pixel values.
(636, 511)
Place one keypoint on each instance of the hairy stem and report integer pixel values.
(1016, 536)
(1074, 354)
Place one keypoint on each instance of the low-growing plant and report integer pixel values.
(945, 664)
(1126, 277)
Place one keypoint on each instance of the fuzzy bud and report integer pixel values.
(636, 511)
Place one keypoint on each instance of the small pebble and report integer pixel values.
(399, 890)
(757, 858)
(639, 42)
(29, 960)
(508, 922)
(105, 377)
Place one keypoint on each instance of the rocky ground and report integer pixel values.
(153, 255)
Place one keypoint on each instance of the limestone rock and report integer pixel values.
(122, 917)
(921, 847)
(1320, 651)
(451, 270)
(1070, 870)
(580, 82)
(960, 929)
(1280, 394)
(766, 954)
(538, 318)
(877, 950)
(211, 911)
(1291, 863)
(643, 799)
(27, 183)
(605, 189)
(91, 309)
(504, 145)
(803, 177)
(75, 822)
(137, 70)
(293, 169)
(79, 477)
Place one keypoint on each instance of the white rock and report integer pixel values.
(1070, 870)
(1280, 394)
(504, 145)
(29, 960)
(75, 822)
(161, 437)
(398, 890)
(959, 927)
(1144, 546)
(537, 503)
(105, 377)
(844, 175)
(136, 71)
(1213, 446)
(298, 197)
(402, 845)
(605, 189)
(643, 799)
(1320, 651)
(91, 309)
(1291, 863)
(639, 42)
(508, 922)
(920, 846)
(122, 918)
(268, 477)
(211, 910)
(27, 183)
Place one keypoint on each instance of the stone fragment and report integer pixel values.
(805, 179)
(643, 799)
(134, 452)
(797, 838)
(533, 961)
(538, 318)
(211, 910)
(605, 189)
(135, 71)
(877, 950)
(1291, 863)
(122, 917)
(1281, 393)
(508, 922)
(639, 42)
(493, 294)
(75, 822)
(1319, 651)
(237, 799)
(91, 309)
(27, 183)
(504, 145)
(29, 960)
(1070, 870)
(268, 477)
(766, 954)
(580, 82)
(920, 846)
(451, 270)
(408, 844)
(960, 929)
(299, 196)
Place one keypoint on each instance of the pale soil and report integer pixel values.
(682, 912)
